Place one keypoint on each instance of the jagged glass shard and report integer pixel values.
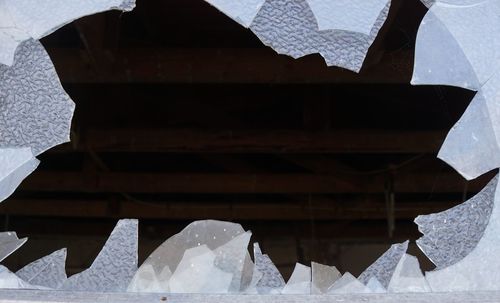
(290, 28)
(9, 280)
(299, 282)
(114, 267)
(252, 287)
(242, 11)
(471, 147)
(462, 33)
(348, 284)
(408, 277)
(15, 165)
(323, 277)
(449, 236)
(21, 20)
(49, 271)
(272, 281)
(9, 243)
(147, 281)
(197, 273)
(348, 15)
(213, 234)
(375, 286)
(384, 267)
(480, 269)
(231, 258)
(35, 111)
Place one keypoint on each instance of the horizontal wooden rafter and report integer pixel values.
(257, 141)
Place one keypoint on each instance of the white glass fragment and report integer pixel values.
(21, 20)
(451, 235)
(35, 111)
(9, 243)
(242, 11)
(348, 284)
(347, 15)
(272, 281)
(480, 269)
(116, 264)
(146, 280)
(471, 147)
(290, 28)
(375, 286)
(9, 280)
(197, 273)
(299, 282)
(323, 277)
(457, 44)
(383, 268)
(49, 271)
(408, 277)
(210, 233)
(15, 165)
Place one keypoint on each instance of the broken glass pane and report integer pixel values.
(114, 267)
(384, 267)
(299, 282)
(323, 277)
(375, 286)
(49, 271)
(9, 243)
(451, 235)
(242, 11)
(15, 165)
(348, 284)
(21, 20)
(408, 277)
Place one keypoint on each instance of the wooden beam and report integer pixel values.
(348, 209)
(113, 182)
(225, 65)
(258, 141)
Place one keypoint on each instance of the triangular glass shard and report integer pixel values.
(348, 15)
(9, 243)
(49, 271)
(25, 19)
(252, 286)
(408, 277)
(116, 264)
(299, 282)
(480, 269)
(348, 284)
(197, 273)
(323, 277)
(242, 11)
(451, 235)
(15, 165)
(272, 281)
(384, 267)
(147, 281)
(290, 28)
(9, 280)
(375, 286)
(211, 233)
(471, 147)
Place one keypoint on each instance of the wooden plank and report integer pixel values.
(228, 183)
(220, 65)
(257, 141)
(347, 209)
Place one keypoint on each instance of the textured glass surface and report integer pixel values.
(15, 165)
(49, 271)
(24, 19)
(323, 277)
(290, 28)
(271, 280)
(384, 267)
(348, 15)
(348, 284)
(299, 282)
(480, 269)
(408, 277)
(241, 11)
(451, 235)
(114, 267)
(9, 243)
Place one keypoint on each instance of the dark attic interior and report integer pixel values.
(183, 115)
